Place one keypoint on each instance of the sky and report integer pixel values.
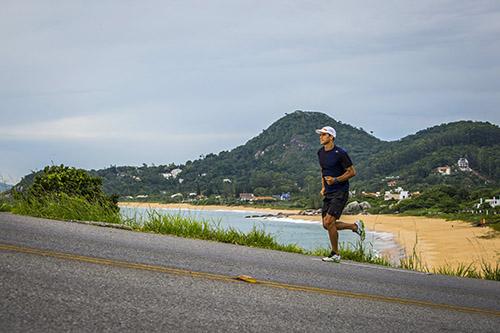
(97, 83)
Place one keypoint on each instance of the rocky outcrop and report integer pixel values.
(355, 207)
(310, 212)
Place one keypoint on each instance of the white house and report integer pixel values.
(404, 195)
(463, 164)
(396, 196)
(175, 172)
(226, 180)
(493, 202)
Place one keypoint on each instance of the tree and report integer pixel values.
(58, 180)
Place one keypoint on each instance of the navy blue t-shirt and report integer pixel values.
(334, 163)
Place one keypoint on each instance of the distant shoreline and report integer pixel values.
(436, 241)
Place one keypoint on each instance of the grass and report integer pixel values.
(486, 270)
(5, 207)
(355, 252)
(5, 203)
(182, 226)
(64, 207)
(461, 270)
(185, 226)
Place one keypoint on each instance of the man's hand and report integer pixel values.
(329, 180)
(322, 192)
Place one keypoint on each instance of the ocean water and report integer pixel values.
(307, 234)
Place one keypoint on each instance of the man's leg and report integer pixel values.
(343, 226)
(329, 223)
(357, 227)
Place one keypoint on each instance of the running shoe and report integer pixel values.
(333, 257)
(360, 229)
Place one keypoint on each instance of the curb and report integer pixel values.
(104, 224)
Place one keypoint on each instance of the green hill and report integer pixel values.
(415, 158)
(283, 159)
(280, 159)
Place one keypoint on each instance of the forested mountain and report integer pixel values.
(415, 157)
(283, 159)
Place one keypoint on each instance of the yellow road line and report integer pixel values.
(226, 278)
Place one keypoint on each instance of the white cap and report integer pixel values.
(328, 130)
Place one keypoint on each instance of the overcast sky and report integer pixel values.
(95, 83)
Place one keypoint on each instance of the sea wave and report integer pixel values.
(284, 219)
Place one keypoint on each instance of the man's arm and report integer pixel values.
(322, 185)
(349, 173)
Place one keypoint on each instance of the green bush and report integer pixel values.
(71, 181)
(66, 193)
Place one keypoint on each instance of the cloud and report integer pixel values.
(201, 76)
(103, 128)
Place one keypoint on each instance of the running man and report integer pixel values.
(336, 169)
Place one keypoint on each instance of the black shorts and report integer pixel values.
(334, 203)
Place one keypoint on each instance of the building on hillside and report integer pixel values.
(226, 180)
(142, 196)
(463, 164)
(404, 195)
(176, 195)
(401, 195)
(247, 196)
(444, 170)
(285, 196)
(492, 202)
(175, 173)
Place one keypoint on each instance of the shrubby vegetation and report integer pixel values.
(66, 193)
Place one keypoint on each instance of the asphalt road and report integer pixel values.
(60, 276)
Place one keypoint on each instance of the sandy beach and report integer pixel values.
(437, 242)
